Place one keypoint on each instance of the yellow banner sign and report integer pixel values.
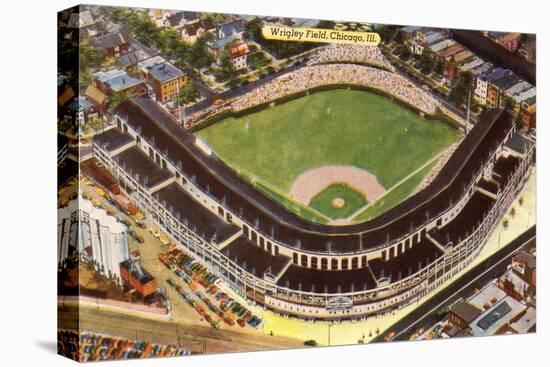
(320, 35)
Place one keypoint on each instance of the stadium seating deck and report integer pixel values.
(320, 281)
(222, 183)
(408, 263)
(142, 168)
(199, 219)
(252, 258)
(466, 221)
(489, 186)
(504, 168)
(113, 139)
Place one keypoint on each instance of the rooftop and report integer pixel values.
(494, 319)
(519, 143)
(145, 64)
(231, 28)
(496, 74)
(132, 58)
(164, 71)
(526, 323)
(518, 88)
(465, 311)
(222, 42)
(506, 81)
(474, 63)
(117, 80)
(487, 297)
(436, 47)
(95, 95)
(110, 40)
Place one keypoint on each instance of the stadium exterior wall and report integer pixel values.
(385, 297)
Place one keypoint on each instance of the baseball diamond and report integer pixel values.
(293, 266)
(297, 148)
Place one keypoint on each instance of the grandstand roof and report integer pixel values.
(222, 183)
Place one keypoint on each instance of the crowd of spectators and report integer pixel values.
(335, 74)
(355, 54)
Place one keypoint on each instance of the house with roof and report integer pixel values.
(97, 98)
(180, 19)
(82, 111)
(235, 28)
(158, 16)
(238, 53)
(483, 81)
(441, 45)
(118, 81)
(517, 99)
(81, 20)
(495, 88)
(165, 79)
(190, 32)
(462, 314)
(132, 58)
(217, 47)
(529, 113)
(136, 277)
(111, 44)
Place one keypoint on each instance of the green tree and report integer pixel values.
(88, 57)
(459, 92)
(439, 68)
(227, 68)
(254, 29)
(189, 93)
(117, 99)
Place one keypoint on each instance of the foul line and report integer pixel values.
(255, 178)
(403, 180)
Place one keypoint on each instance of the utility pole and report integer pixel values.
(468, 111)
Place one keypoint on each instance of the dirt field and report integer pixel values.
(312, 182)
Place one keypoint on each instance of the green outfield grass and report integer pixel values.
(322, 202)
(395, 196)
(347, 127)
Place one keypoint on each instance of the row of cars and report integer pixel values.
(194, 274)
(118, 202)
(95, 347)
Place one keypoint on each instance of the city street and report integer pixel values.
(482, 274)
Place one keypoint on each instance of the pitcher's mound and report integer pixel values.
(338, 203)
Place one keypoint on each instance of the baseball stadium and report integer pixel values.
(333, 191)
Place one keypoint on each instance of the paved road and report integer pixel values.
(483, 273)
(199, 339)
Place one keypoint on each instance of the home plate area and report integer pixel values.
(337, 191)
